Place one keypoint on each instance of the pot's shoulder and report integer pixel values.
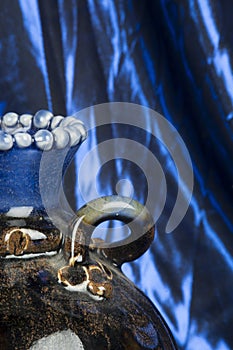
(37, 309)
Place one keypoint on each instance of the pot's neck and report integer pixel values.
(23, 141)
(19, 181)
(26, 229)
(30, 181)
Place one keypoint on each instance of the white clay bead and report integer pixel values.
(23, 139)
(61, 138)
(72, 121)
(10, 119)
(26, 120)
(81, 128)
(74, 134)
(6, 141)
(55, 121)
(68, 121)
(41, 119)
(44, 140)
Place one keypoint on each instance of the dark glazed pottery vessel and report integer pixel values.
(59, 287)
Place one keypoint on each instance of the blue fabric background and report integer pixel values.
(174, 57)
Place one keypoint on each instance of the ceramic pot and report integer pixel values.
(60, 288)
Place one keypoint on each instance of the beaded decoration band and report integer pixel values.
(44, 130)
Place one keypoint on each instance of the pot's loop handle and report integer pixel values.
(124, 209)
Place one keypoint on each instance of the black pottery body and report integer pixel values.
(34, 306)
(66, 290)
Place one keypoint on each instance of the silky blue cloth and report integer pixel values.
(176, 58)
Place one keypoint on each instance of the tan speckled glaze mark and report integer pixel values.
(20, 242)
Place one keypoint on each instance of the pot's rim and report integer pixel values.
(43, 131)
